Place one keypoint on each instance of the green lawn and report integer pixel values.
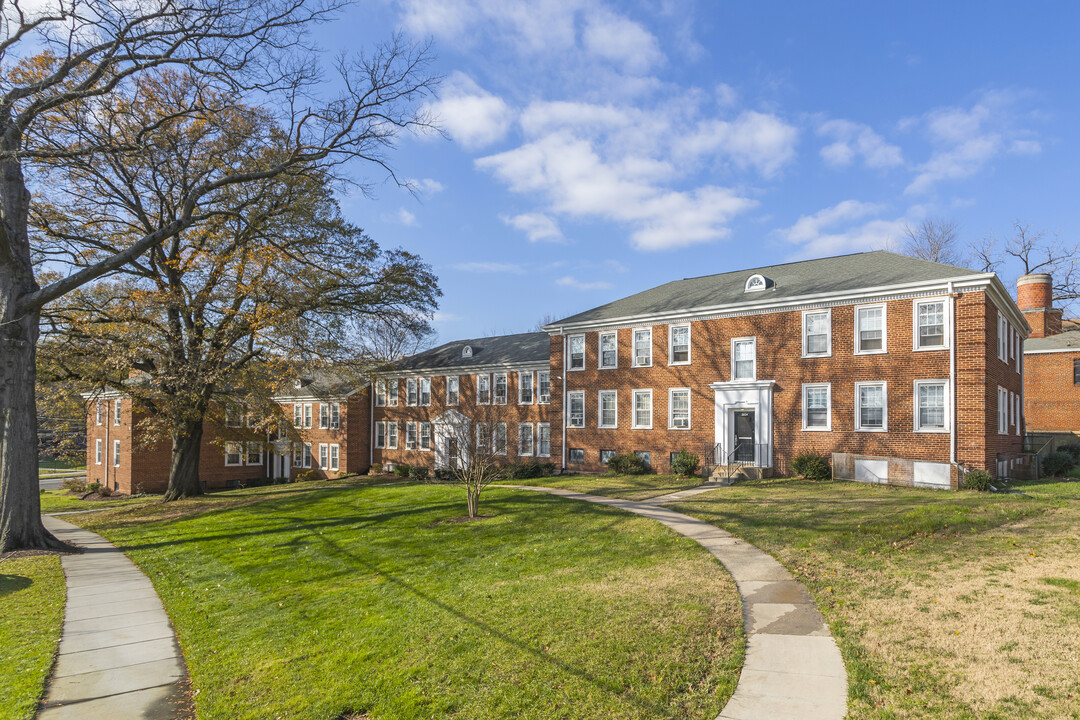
(628, 487)
(62, 501)
(946, 605)
(367, 601)
(31, 614)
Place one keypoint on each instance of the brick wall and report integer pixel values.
(1051, 400)
(351, 436)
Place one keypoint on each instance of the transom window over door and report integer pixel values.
(930, 325)
(817, 333)
(870, 329)
(609, 350)
(743, 359)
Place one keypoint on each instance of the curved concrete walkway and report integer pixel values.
(793, 668)
(118, 654)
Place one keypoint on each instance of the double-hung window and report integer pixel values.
(609, 410)
(609, 350)
(525, 388)
(817, 333)
(233, 455)
(871, 407)
(380, 435)
(335, 416)
(452, 390)
(543, 383)
(499, 445)
(483, 437)
(425, 391)
(576, 359)
(298, 455)
(100, 412)
(232, 414)
(425, 436)
(1076, 372)
(410, 435)
(324, 415)
(301, 415)
(543, 440)
(816, 406)
(324, 456)
(254, 453)
(643, 347)
(380, 393)
(679, 408)
(116, 412)
(391, 436)
(576, 414)
(930, 325)
(116, 453)
(500, 388)
(931, 405)
(306, 454)
(642, 409)
(391, 392)
(1003, 411)
(679, 345)
(335, 456)
(1003, 342)
(483, 389)
(525, 439)
(870, 329)
(97, 451)
(744, 358)
(411, 393)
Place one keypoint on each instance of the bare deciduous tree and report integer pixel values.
(1031, 251)
(61, 62)
(934, 239)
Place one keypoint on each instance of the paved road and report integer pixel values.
(52, 483)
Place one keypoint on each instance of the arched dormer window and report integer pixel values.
(757, 283)
(466, 352)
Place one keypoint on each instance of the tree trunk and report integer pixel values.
(20, 503)
(184, 468)
(474, 502)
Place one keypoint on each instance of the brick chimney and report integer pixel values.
(1035, 297)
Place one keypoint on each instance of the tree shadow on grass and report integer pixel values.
(13, 583)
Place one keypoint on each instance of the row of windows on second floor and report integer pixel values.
(533, 388)
(930, 408)
(533, 439)
(930, 331)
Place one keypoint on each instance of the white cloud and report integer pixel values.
(967, 139)
(758, 140)
(406, 218)
(621, 41)
(490, 267)
(440, 316)
(428, 186)
(817, 235)
(537, 226)
(855, 140)
(471, 115)
(572, 282)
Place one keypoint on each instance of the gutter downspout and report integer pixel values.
(371, 425)
(952, 376)
(562, 382)
(108, 448)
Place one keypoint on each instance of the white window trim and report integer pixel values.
(324, 456)
(395, 425)
(828, 407)
(671, 407)
(392, 392)
(506, 387)
(753, 375)
(884, 407)
(116, 453)
(335, 416)
(1002, 411)
(99, 413)
(827, 312)
(306, 451)
(539, 401)
(532, 385)
(413, 425)
(600, 350)
(335, 457)
(324, 416)
(584, 354)
(98, 455)
(457, 400)
(538, 426)
(495, 434)
(116, 412)
(424, 382)
(420, 437)
(915, 406)
(600, 409)
(410, 385)
(946, 336)
(380, 444)
(489, 390)
(671, 344)
(532, 436)
(633, 347)
(239, 453)
(380, 393)
(1003, 328)
(884, 329)
(1019, 413)
(633, 410)
(570, 403)
(247, 452)
(307, 416)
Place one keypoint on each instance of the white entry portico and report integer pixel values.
(744, 424)
(451, 431)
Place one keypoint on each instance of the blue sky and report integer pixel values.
(596, 149)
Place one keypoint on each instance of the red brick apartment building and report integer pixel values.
(1052, 362)
(905, 371)
(329, 436)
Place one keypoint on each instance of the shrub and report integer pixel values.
(977, 480)
(418, 472)
(306, 476)
(105, 491)
(375, 469)
(812, 466)
(93, 487)
(444, 475)
(530, 469)
(685, 463)
(74, 485)
(402, 469)
(627, 464)
(1072, 449)
(1057, 464)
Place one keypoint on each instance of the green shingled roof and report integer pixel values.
(1069, 340)
(789, 281)
(498, 350)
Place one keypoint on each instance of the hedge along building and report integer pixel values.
(1052, 359)
(434, 408)
(904, 370)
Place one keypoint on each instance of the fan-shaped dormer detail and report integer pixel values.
(466, 352)
(757, 283)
